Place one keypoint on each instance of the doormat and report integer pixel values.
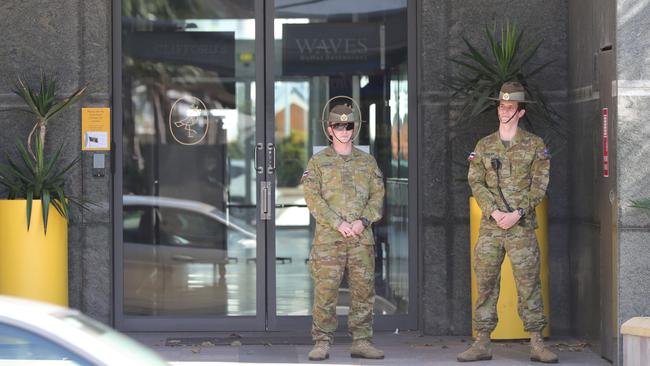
(237, 340)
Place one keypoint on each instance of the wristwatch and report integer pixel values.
(365, 221)
(521, 211)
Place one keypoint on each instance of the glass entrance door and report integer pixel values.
(220, 104)
(191, 105)
(322, 49)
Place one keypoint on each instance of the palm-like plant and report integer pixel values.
(44, 104)
(34, 176)
(482, 74)
(642, 203)
(38, 178)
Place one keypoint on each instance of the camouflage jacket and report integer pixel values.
(342, 188)
(524, 174)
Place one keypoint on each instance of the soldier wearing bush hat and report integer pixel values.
(508, 175)
(344, 190)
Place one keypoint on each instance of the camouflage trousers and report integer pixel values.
(520, 244)
(327, 263)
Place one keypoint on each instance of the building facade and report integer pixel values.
(216, 106)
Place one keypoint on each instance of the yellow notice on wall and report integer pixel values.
(95, 129)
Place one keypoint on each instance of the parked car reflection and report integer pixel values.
(175, 256)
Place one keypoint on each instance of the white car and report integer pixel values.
(175, 255)
(36, 333)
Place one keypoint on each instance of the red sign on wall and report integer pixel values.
(605, 114)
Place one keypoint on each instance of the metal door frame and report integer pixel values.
(174, 323)
(265, 318)
(402, 321)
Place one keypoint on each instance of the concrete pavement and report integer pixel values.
(405, 348)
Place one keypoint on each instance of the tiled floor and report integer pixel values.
(406, 348)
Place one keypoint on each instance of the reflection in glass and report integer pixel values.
(19, 346)
(324, 49)
(188, 136)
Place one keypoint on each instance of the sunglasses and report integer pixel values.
(342, 126)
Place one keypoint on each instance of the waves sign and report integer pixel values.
(331, 49)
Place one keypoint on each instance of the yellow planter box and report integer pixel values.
(33, 265)
(510, 326)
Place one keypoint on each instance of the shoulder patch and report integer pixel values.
(471, 156)
(546, 153)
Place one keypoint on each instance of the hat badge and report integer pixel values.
(344, 117)
(506, 96)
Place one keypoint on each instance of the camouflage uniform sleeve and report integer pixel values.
(476, 179)
(373, 209)
(317, 205)
(540, 169)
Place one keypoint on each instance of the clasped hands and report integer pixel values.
(505, 220)
(351, 229)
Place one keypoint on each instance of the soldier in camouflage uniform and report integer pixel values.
(344, 191)
(508, 175)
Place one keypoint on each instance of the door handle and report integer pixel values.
(258, 148)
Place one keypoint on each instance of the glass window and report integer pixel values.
(325, 49)
(138, 225)
(19, 344)
(188, 139)
(190, 228)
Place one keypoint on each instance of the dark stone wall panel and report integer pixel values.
(460, 282)
(97, 285)
(634, 294)
(559, 275)
(633, 148)
(584, 169)
(70, 39)
(585, 294)
(36, 35)
(434, 289)
(633, 43)
(632, 105)
(433, 175)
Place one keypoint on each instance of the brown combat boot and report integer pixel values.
(362, 348)
(539, 353)
(320, 352)
(479, 351)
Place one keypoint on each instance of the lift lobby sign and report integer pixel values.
(331, 49)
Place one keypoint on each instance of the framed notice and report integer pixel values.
(95, 129)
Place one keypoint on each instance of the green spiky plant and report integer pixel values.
(34, 176)
(642, 203)
(509, 58)
(44, 104)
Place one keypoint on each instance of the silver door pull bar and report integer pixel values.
(259, 147)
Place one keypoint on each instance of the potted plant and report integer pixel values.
(34, 237)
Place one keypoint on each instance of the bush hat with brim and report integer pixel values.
(512, 91)
(341, 114)
(346, 112)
